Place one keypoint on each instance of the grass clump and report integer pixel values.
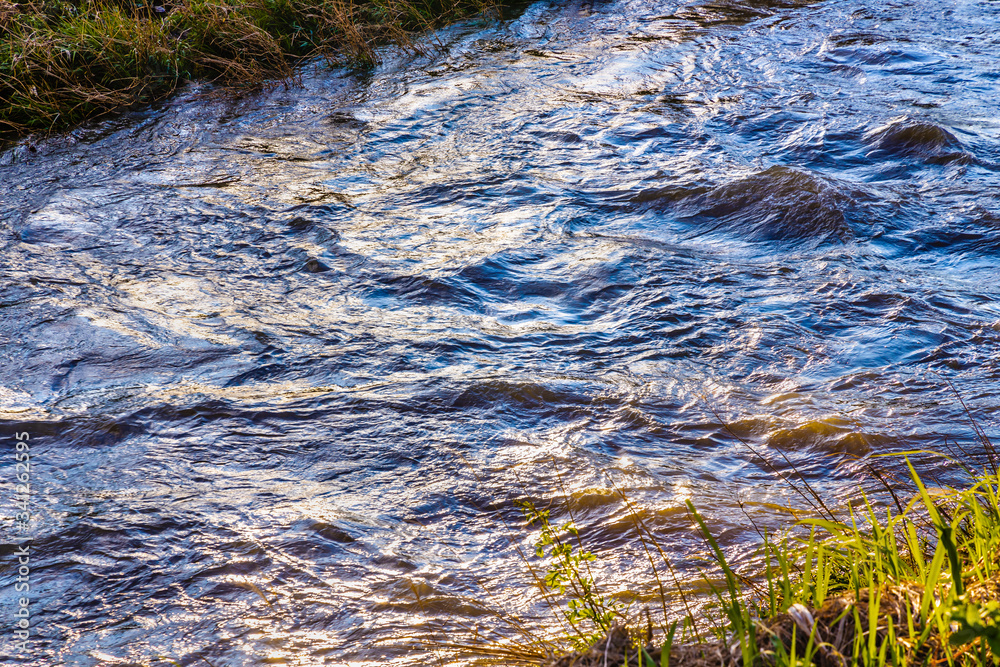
(919, 586)
(914, 582)
(65, 61)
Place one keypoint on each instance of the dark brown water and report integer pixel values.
(318, 340)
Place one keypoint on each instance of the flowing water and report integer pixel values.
(317, 340)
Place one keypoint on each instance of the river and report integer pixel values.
(315, 341)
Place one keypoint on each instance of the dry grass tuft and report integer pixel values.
(65, 61)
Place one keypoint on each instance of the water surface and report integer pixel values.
(317, 340)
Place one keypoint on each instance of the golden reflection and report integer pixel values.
(117, 322)
(18, 405)
(181, 304)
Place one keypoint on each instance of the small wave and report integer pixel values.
(917, 139)
(732, 12)
(778, 204)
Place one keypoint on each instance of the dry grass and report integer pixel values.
(65, 61)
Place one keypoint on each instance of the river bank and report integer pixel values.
(908, 575)
(66, 61)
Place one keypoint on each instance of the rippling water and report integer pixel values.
(318, 339)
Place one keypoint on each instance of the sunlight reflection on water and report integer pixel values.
(289, 360)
